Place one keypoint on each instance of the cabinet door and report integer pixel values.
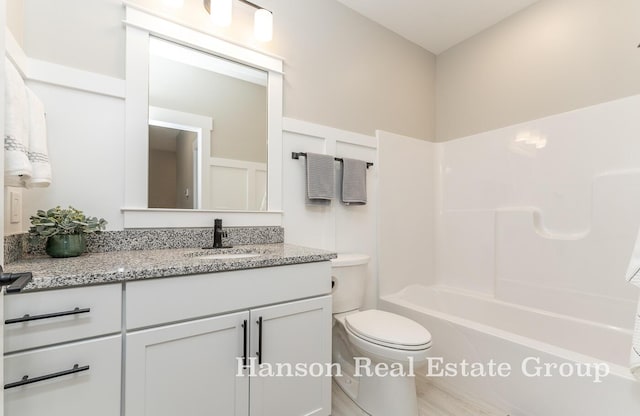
(295, 333)
(85, 380)
(189, 368)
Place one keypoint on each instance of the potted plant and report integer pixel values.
(64, 230)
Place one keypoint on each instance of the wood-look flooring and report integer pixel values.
(433, 400)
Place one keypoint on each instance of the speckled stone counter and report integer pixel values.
(121, 266)
(19, 245)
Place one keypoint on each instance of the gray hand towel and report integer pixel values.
(320, 179)
(354, 182)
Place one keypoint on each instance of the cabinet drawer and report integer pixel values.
(175, 299)
(99, 310)
(94, 391)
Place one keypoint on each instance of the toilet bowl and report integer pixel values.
(377, 351)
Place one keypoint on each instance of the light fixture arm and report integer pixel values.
(207, 5)
(255, 6)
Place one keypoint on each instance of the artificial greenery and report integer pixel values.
(64, 221)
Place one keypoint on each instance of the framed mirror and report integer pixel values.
(220, 163)
(203, 130)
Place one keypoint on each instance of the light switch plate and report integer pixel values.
(16, 207)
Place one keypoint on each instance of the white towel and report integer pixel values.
(38, 149)
(320, 179)
(354, 182)
(17, 168)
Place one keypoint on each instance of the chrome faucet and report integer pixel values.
(218, 234)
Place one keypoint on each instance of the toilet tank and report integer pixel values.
(348, 279)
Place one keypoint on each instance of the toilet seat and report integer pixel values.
(388, 330)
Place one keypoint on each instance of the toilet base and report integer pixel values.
(399, 398)
(390, 394)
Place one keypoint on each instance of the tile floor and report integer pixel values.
(433, 400)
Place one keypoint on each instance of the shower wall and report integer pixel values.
(545, 213)
(406, 219)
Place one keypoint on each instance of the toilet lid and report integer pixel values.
(389, 330)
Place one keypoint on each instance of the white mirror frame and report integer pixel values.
(140, 25)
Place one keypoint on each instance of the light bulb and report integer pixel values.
(221, 12)
(263, 25)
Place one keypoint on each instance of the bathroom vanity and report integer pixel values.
(103, 334)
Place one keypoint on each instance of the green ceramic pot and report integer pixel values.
(66, 245)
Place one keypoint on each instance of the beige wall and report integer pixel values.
(15, 19)
(185, 143)
(341, 69)
(162, 179)
(84, 34)
(238, 108)
(344, 71)
(555, 56)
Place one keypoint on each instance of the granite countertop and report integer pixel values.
(122, 266)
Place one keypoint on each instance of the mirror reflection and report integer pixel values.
(207, 131)
(173, 165)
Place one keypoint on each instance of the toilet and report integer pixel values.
(388, 340)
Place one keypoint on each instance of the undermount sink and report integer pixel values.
(227, 256)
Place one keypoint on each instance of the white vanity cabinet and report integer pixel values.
(187, 339)
(173, 346)
(63, 352)
(292, 333)
(187, 369)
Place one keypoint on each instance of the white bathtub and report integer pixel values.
(476, 328)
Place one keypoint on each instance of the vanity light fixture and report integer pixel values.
(221, 11)
(263, 25)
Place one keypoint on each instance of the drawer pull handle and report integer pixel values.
(26, 380)
(244, 344)
(259, 352)
(28, 317)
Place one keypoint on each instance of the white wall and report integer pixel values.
(236, 185)
(550, 227)
(345, 229)
(86, 147)
(406, 221)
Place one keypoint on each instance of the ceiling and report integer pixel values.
(437, 25)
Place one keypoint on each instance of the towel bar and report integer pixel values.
(296, 155)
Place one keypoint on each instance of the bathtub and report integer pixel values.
(557, 363)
